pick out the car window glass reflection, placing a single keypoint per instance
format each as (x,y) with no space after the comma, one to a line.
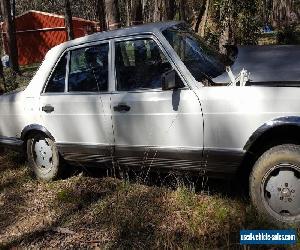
(56,83)
(140,65)
(89,69)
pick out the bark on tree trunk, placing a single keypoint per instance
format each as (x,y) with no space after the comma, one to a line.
(113,14)
(205,16)
(100,11)
(157,11)
(128,12)
(169,9)
(69,21)
(137,12)
(200,16)
(182,4)
(3,77)
(11,35)
(281,13)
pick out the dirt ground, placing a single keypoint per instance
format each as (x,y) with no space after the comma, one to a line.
(103,212)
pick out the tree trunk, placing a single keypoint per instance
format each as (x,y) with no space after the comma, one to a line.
(68,20)
(3,78)
(204,21)
(128,12)
(113,14)
(137,12)
(11,35)
(169,9)
(100,12)
(13,9)
(281,13)
(182,5)
(157,11)
(200,16)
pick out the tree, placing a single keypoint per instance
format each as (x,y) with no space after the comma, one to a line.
(11,35)
(204,18)
(100,12)
(182,6)
(157,11)
(3,79)
(200,15)
(137,12)
(113,14)
(69,21)
(170,9)
(226,16)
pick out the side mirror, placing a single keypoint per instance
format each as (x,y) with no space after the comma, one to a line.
(171,80)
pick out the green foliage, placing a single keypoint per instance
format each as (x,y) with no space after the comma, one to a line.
(241,16)
(10,80)
(288,35)
(14,81)
(247,31)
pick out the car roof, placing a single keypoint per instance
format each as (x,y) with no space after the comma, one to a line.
(128,31)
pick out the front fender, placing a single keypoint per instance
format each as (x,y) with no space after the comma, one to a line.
(276,123)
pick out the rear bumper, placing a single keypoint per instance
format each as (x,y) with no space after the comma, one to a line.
(11,143)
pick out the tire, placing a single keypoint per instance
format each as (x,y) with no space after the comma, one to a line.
(275,184)
(43,157)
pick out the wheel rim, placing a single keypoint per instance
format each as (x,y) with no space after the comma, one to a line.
(281,191)
(43,155)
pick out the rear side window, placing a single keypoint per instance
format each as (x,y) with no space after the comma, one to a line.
(56,83)
(89,69)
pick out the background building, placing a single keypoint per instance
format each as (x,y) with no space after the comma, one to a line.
(37,32)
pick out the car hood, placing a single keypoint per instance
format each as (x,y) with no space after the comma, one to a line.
(267,64)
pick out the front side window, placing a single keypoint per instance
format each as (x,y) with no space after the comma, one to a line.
(200,59)
(140,65)
(56,83)
(88,70)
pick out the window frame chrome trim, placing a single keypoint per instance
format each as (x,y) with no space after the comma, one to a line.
(52,72)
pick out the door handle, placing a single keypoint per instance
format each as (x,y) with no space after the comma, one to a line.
(122,107)
(48,109)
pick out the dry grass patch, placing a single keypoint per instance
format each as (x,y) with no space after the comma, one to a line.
(110,213)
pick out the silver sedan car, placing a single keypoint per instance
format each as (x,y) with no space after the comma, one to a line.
(151,96)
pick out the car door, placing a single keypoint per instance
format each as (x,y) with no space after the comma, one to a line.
(152,127)
(75,105)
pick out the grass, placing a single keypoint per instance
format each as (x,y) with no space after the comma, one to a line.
(15,82)
(84,212)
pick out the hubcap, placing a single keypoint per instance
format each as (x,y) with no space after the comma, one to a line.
(43,155)
(281,190)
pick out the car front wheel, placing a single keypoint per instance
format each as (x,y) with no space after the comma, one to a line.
(43,157)
(275,184)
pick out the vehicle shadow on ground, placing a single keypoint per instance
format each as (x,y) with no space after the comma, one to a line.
(199,183)
(86,208)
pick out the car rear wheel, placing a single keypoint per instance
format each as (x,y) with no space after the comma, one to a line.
(43,157)
(275,184)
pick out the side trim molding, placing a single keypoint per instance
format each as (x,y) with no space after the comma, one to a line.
(221,163)
(12,143)
(77,153)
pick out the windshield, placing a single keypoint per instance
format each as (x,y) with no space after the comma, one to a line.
(200,59)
